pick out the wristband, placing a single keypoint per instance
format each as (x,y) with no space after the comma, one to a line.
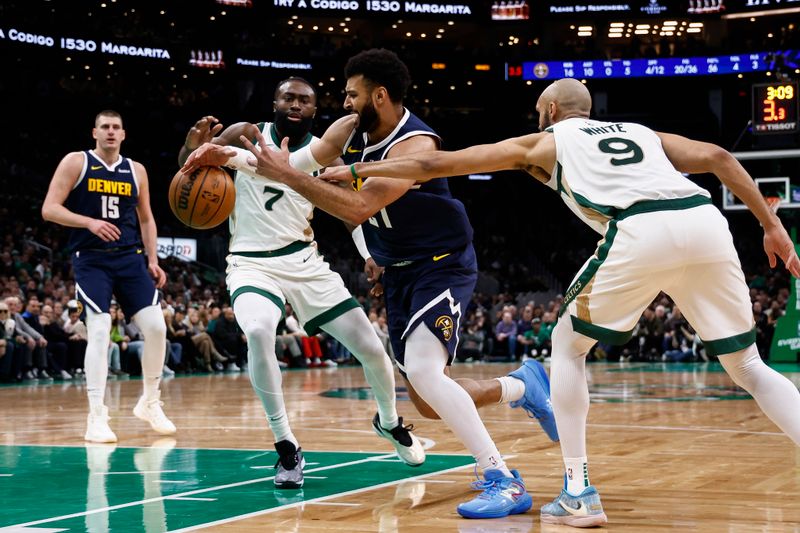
(354,173)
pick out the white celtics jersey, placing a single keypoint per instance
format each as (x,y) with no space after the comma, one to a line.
(605,167)
(268,215)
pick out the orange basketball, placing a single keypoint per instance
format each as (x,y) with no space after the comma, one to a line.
(203,199)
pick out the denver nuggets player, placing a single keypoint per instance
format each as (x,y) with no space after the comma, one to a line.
(273,259)
(105,198)
(660,232)
(422,236)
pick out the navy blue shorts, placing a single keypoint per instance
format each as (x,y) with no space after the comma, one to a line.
(121,273)
(435,293)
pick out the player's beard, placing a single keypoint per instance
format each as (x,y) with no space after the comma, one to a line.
(368,119)
(546,121)
(296,131)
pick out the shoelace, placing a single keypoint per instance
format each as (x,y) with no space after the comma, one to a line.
(479,484)
(491,490)
(401,433)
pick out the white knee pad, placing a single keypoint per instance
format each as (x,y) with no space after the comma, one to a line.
(150,320)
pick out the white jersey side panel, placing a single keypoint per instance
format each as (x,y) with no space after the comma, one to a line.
(603,167)
(268,215)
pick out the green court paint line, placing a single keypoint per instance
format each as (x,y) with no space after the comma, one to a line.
(147,485)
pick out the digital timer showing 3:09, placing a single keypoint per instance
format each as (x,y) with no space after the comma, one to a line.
(775,108)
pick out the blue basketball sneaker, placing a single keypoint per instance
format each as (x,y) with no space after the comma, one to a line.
(501,497)
(536,401)
(584,510)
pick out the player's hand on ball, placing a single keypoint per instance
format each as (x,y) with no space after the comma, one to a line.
(158,274)
(268,163)
(340,174)
(208,155)
(105,230)
(202,132)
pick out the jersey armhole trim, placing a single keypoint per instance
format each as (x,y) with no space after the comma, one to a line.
(133,173)
(83,170)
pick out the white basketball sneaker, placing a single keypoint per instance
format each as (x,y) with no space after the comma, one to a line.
(408,446)
(97,429)
(150,411)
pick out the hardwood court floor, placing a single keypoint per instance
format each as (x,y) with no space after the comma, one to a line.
(672,448)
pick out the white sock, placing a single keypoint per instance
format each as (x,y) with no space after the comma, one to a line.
(576,475)
(425,360)
(150,320)
(355,332)
(774,393)
(98,331)
(258,318)
(569,390)
(512,389)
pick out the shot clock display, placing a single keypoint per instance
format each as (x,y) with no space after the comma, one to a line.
(775,107)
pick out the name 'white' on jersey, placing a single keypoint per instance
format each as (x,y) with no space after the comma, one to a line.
(268,215)
(604,167)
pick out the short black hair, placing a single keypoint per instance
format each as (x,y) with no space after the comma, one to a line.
(107,113)
(381,67)
(294,78)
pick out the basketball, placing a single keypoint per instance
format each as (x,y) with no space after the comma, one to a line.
(203,199)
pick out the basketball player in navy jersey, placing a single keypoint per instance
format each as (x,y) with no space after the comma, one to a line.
(105,198)
(421,235)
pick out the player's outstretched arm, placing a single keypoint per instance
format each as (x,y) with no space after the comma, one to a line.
(331,145)
(697,157)
(424,166)
(54,210)
(147,225)
(342,202)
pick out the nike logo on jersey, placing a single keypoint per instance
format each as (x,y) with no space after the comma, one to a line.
(97,167)
(351,150)
(307,258)
(439,257)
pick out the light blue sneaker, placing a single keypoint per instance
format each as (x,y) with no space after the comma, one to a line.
(536,401)
(501,497)
(584,510)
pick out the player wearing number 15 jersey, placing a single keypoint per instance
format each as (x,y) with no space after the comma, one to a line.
(105,198)
(660,233)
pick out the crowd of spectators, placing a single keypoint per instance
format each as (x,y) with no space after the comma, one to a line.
(43,337)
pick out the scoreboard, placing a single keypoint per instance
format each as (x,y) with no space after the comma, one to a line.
(775,107)
(638,68)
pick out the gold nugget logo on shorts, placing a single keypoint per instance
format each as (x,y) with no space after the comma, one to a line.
(445,323)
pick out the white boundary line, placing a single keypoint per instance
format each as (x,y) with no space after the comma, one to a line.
(189,493)
(313,501)
(376,458)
